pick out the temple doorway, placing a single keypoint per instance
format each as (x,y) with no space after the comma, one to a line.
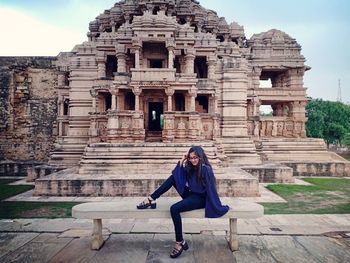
(154,116)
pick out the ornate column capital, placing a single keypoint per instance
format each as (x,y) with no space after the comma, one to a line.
(169,91)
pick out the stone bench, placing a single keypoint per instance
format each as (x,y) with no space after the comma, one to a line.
(126,210)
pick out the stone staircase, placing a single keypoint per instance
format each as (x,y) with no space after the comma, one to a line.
(139,158)
(296,149)
(137,169)
(240,150)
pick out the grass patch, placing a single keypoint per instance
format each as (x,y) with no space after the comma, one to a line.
(325,196)
(7,190)
(36,209)
(29,209)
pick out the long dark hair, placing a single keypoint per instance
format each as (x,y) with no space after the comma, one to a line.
(203,160)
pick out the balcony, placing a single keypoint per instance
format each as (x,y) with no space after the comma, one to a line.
(279,94)
(206,84)
(153,74)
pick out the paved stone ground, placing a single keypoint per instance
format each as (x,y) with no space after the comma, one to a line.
(272,238)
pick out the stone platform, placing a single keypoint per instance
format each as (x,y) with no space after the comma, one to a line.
(231,182)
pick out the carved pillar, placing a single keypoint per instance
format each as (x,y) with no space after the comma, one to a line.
(114,99)
(171,57)
(137,58)
(170,44)
(190,60)
(101,65)
(94,95)
(121,57)
(137,92)
(119,101)
(256,105)
(193,95)
(170,92)
(256,77)
(211,67)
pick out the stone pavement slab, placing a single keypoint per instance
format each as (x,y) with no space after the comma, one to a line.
(292,252)
(146,248)
(40,249)
(209,249)
(252,250)
(12,241)
(78,250)
(325,249)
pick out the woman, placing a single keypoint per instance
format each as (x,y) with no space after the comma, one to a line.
(194,180)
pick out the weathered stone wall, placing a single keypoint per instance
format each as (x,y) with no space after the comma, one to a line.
(27,108)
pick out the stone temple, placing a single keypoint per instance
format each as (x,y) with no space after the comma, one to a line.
(156,77)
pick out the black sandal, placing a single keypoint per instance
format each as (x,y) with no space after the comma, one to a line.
(175,253)
(150,204)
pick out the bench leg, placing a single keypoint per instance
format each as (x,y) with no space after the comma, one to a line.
(233,234)
(97,239)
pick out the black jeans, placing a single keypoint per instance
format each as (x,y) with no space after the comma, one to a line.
(190,201)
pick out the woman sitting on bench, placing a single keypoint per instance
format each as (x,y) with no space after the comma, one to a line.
(194,180)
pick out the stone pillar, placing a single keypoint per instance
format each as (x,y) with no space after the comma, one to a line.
(211,67)
(170,92)
(137,92)
(256,77)
(119,101)
(114,101)
(121,57)
(256,105)
(193,95)
(94,104)
(170,44)
(190,60)
(137,58)
(101,65)
(94,95)
(170,57)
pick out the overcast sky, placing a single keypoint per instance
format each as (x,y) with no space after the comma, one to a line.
(321,27)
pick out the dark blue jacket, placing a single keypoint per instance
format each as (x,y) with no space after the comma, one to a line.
(213,206)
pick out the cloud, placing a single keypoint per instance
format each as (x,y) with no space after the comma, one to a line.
(23,35)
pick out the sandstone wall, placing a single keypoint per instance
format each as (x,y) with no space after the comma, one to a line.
(27,108)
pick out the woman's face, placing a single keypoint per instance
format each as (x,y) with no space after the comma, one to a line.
(193,158)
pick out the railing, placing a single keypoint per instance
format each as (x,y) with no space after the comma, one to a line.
(206,84)
(180,126)
(277,92)
(277,127)
(153,74)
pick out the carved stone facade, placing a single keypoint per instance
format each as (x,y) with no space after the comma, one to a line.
(173,71)
(154,78)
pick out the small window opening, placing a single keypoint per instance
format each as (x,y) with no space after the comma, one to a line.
(179,102)
(220,38)
(156,63)
(111,66)
(201,67)
(129,101)
(202,104)
(155,10)
(66,107)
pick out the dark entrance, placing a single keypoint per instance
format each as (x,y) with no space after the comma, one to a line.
(155,109)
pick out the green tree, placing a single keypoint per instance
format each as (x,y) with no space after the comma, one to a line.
(328,120)
(346,139)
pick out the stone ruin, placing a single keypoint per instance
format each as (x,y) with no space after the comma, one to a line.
(156,77)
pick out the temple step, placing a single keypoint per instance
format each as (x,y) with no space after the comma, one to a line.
(296,149)
(233,182)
